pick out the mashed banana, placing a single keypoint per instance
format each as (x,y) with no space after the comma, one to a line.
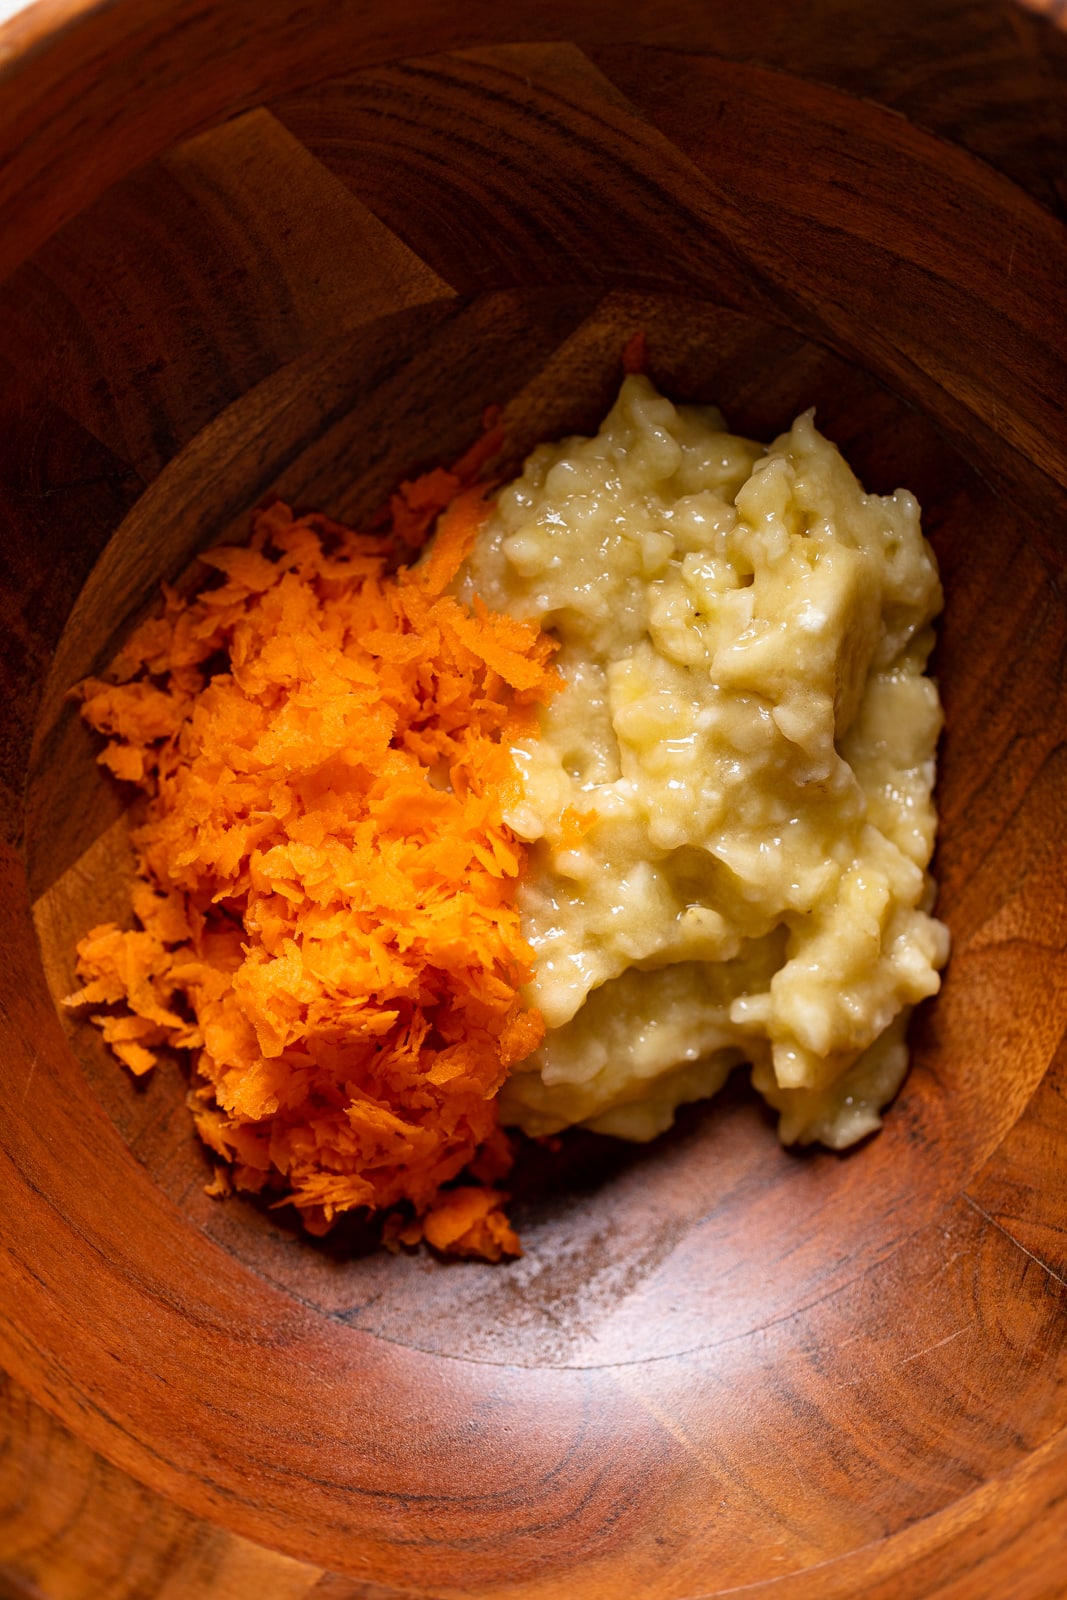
(729,806)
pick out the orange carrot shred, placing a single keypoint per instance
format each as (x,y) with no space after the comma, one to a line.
(574,825)
(468,1221)
(325,908)
(415,506)
(482,451)
(635,353)
(453,541)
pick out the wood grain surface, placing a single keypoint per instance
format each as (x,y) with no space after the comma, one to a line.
(249,248)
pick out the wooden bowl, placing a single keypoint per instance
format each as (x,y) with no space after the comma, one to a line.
(254,245)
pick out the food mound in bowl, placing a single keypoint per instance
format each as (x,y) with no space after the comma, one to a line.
(747,736)
(625,781)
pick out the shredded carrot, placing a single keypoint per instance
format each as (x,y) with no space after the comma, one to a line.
(469,1222)
(635,354)
(573,827)
(413,509)
(325,909)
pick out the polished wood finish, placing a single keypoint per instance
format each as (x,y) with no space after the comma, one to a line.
(258,247)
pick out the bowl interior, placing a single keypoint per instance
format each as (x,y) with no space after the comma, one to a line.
(317,299)
(602,1220)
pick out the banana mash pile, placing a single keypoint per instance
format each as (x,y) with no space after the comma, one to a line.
(729,807)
